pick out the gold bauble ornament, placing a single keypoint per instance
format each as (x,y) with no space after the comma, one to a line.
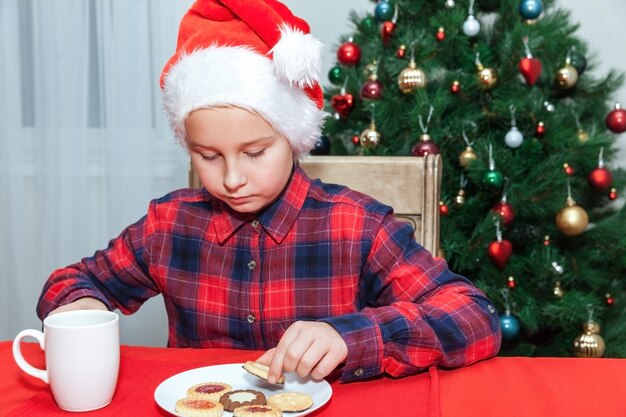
(487,77)
(582,136)
(589,344)
(558,290)
(371,68)
(467,156)
(566,77)
(369,138)
(459,200)
(572,219)
(411,78)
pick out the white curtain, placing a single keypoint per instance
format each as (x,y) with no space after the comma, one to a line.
(84,144)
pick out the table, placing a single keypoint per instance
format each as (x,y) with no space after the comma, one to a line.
(497,387)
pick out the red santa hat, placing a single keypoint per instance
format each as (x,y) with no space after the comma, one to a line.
(251,54)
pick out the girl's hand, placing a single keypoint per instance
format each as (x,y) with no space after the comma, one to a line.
(307,348)
(85,303)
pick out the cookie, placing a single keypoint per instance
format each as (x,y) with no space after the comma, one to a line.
(291,402)
(257,411)
(260,370)
(191,407)
(208,391)
(239,397)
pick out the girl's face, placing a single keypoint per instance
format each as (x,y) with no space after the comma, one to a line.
(238,156)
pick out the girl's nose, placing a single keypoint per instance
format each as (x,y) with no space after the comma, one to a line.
(234,177)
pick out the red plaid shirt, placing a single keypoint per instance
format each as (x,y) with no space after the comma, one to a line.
(320,252)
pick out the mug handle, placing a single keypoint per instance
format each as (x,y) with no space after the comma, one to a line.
(19,358)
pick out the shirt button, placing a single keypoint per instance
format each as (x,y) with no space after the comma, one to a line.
(251,265)
(491,309)
(251,318)
(255,223)
(358,372)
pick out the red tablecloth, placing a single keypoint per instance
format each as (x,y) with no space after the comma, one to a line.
(500,387)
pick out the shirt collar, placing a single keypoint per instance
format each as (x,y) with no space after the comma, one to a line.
(277,218)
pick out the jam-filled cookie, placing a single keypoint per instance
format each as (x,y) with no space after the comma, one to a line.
(208,390)
(239,397)
(257,411)
(192,407)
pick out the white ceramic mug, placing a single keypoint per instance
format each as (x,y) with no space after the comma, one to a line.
(82,351)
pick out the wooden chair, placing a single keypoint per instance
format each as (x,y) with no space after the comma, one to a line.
(411,185)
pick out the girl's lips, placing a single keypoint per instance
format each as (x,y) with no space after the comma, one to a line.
(238,200)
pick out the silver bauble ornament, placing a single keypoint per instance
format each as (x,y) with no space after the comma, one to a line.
(513,138)
(471,26)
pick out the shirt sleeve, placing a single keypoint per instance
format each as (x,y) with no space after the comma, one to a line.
(417,312)
(118,275)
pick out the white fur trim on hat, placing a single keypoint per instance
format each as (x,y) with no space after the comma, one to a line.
(238,76)
(297,57)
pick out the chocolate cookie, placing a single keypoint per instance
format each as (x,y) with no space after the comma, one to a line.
(240,397)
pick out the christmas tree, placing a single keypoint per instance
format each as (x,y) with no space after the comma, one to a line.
(501,89)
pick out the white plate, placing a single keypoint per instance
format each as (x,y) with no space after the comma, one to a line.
(175,387)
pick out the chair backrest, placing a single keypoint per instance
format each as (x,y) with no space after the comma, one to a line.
(411,185)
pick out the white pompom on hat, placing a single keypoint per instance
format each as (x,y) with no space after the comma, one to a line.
(251,54)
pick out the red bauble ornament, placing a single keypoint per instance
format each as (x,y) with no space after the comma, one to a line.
(372,89)
(342,103)
(613,194)
(511,283)
(530,68)
(455,88)
(441,34)
(505,211)
(540,130)
(356,139)
(401,52)
(569,170)
(500,252)
(600,178)
(349,53)
(609,299)
(386,31)
(443,208)
(425,146)
(616,119)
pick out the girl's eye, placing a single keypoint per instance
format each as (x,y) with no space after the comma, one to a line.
(209,158)
(253,155)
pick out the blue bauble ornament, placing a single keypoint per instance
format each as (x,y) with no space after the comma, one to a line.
(578,61)
(322,146)
(509,325)
(383,11)
(530,9)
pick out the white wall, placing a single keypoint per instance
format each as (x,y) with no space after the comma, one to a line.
(602,26)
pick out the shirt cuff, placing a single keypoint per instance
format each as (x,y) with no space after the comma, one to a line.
(365,348)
